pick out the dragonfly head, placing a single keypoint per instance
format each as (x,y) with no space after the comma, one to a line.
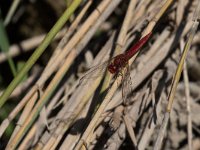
(112,68)
(117,63)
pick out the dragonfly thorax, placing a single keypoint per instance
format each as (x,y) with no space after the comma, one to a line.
(117,64)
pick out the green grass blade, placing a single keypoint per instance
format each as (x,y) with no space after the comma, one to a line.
(180,66)
(4,46)
(37,53)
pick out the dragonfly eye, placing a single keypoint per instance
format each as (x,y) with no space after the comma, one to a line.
(112,68)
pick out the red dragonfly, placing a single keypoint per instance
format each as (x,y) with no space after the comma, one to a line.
(117,65)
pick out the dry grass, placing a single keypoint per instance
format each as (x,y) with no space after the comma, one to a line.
(59,112)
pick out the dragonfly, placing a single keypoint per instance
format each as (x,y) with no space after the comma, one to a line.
(119,65)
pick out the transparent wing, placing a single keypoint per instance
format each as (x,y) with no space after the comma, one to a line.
(126,85)
(94,72)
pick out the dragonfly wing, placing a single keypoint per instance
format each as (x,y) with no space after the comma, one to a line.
(94,72)
(126,85)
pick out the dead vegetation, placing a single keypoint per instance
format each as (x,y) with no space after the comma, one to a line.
(59,112)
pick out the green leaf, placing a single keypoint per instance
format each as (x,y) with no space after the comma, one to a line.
(4,46)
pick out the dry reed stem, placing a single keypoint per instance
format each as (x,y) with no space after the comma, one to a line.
(76,38)
(151,124)
(180,11)
(160,55)
(40,102)
(24,114)
(62,127)
(148,68)
(27,45)
(27,110)
(122,38)
(179,69)
(43,76)
(70,29)
(142,100)
(176,80)
(65,97)
(88,94)
(139,11)
(46,76)
(36,126)
(188,99)
(120,42)
(17,109)
(71,139)
(152,64)
(73,108)
(129,128)
(92,124)
(161,133)
(154,48)
(48,73)
(24,86)
(115,84)
(157,17)
(83,100)
(70,143)
(153,22)
(33,42)
(30,95)
(79,34)
(69,33)
(75,24)
(148,131)
(25,143)
(140,15)
(93,87)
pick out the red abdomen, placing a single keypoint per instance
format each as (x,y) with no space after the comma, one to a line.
(136,47)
